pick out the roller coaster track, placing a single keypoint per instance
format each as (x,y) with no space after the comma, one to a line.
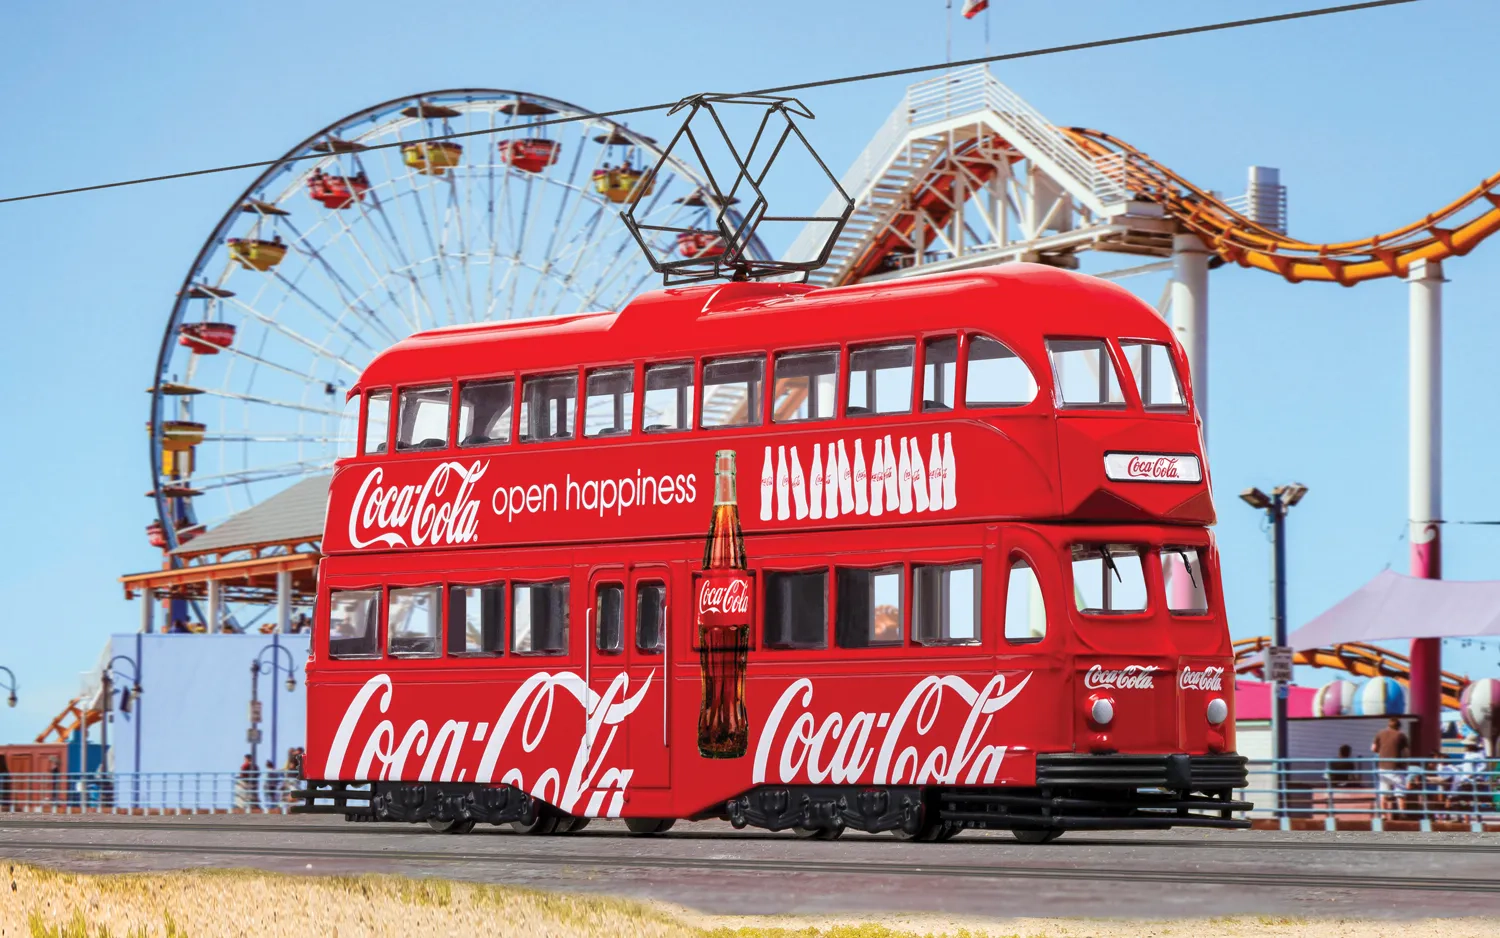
(1451,231)
(1354,657)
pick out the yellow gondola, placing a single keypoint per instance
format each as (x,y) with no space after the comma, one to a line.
(432,158)
(622,184)
(181,434)
(256,254)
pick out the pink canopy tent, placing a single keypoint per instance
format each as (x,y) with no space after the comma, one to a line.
(1252,700)
(1394,606)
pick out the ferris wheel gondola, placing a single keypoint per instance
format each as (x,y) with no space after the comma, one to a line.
(347,246)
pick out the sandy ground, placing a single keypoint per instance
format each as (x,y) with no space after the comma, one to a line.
(42,904)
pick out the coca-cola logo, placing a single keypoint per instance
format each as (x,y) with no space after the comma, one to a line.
(1152,467)
(1130,677)
(441,510)
(1210,678)
(724,596)
(1162,467)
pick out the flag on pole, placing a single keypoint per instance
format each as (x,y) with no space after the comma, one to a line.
(973,8)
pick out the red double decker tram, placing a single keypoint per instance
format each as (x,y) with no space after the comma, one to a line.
(958,570)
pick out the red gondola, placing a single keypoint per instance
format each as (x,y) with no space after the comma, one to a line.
(531,155)
(337,191)
(156,534)
(206,338)
(700,244)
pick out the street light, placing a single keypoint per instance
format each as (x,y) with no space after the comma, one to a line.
(133,692)
(258,667)
(10,685)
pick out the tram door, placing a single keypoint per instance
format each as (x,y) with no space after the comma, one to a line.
(626,618)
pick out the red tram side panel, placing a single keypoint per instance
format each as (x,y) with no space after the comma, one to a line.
(980,591)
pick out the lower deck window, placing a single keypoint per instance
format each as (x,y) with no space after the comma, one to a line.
(353,617)
(1182,570)
(1108,580)
(869,607)
(1025,612)
(796,610)
(539,618)
(946,607)
(476,620)
(650,616)
(413,621)
(609,618)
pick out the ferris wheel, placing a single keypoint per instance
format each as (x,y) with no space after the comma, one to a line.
(345,247)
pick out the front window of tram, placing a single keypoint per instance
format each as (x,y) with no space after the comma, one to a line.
(1085,374)
(1108,580)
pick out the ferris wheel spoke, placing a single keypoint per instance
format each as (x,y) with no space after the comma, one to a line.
(439,267)
(266,474)
(395,244)
(272,323)
(567,211)
(398,203)
(348,296)
(453,220)
(269,402)
(369,263)
(273,438)
(336,321)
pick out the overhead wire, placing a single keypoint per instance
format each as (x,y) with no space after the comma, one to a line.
(777,90)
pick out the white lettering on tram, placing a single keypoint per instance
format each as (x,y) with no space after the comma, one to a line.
(839,751)
(523,720)
(1210,678)
(428,512)
(1130,677)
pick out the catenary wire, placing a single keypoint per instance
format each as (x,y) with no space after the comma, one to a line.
(781,89)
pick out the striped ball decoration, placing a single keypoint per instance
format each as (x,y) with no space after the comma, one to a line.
(1334,699)
(1380,696)
(1480,705)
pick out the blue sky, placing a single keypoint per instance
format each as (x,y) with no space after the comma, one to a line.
(1370,117)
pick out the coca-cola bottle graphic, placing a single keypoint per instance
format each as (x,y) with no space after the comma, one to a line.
(723,624)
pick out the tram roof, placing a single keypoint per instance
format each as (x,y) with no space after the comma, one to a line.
(730,317)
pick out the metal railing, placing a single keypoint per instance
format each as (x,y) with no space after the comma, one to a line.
(1368,793)
(147,792)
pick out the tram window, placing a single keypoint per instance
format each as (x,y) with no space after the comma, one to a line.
(1182,571)
(424,419)
(609,618)
(348,428)
(352,623)
(539,618)
(945,609)
(880,379)
(1025,613)
(547,406)
(484,409)
(732,392)
(939,373)
(796,610)
(868,610)
(806,384)
(377,421)
(1155,375)
(668,405)
(1108,580)
(476,620)
(1084,373)
(650,617)
(609,407)
(412,622)
(997,377)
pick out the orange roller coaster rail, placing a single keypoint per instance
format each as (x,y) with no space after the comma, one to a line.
(1354,657)
(1451,231)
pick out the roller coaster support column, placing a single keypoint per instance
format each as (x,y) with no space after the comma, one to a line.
(1426,493)
(1190,313)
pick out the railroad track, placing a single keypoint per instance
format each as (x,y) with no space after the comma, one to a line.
(1300,880)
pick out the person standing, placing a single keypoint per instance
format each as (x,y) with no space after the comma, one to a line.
(1391,746)
(245,785)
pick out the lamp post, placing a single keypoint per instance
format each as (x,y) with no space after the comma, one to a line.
(9,685)
(131,693)
(1276,505)
(258,667)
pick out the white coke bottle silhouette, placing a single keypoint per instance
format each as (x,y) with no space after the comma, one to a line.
(846,481)
(950,481)
(935,475)
(831,484)
(861,480)
(799,486)
(892,471)
(767,487)
(918,476)
(815,496)
(877,480)
(903,482)
(783,482)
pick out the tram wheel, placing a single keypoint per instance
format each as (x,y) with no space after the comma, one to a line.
(648,826)
(1035,836)
(818,833)
(539,821)
(947,832)
(930,832)
(572,825)
(450,827)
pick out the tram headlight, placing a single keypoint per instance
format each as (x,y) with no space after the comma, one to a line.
(1218,711)
(1102,711)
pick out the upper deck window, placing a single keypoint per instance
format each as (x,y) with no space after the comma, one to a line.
(1108,580)
(484,411)
(1155,375)
(1182,570)
(353,623)
(412,624)
(610,406)
(796,613)
(732,391)
(939,373)
(1084,373)
(946,606)
(349,428)
(377,421)
(668,405)
(880,379)
(539,618)
(997,377)
(548,403)
(424,419)
(476,620)
(806,385)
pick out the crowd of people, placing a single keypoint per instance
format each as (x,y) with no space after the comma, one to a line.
(254,791)
(1439,786)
